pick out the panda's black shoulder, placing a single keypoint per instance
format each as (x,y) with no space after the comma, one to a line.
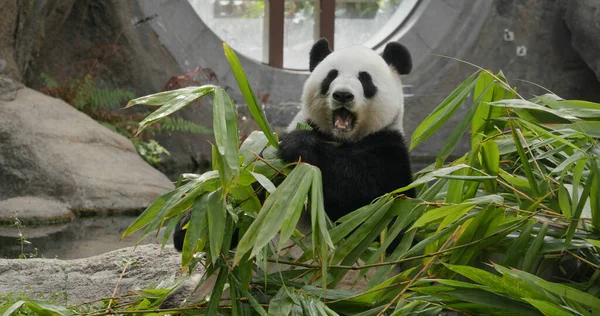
(385,138)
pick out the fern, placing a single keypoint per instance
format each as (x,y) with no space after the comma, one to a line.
(108,98)
(178,124)
(48,81)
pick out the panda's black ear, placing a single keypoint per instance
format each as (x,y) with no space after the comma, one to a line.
(398,56)
(318,52)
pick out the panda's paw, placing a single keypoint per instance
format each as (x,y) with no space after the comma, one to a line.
(300,145)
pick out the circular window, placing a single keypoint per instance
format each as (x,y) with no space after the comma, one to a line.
(244,25)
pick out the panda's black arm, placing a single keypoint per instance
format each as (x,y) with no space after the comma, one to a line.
(353,173)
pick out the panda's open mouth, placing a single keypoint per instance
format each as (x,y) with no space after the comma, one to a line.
(343,119)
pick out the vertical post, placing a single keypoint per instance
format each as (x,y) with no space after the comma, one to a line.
(275,43)
(327,20)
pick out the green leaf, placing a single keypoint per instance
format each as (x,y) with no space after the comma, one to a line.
(194,240)
(578,210)
(9,311)
(226,136)
(164,97)
(321,241)
(215,297)
(534,249)
(453,211)
(46,309)
(594,242)
(279,206)
(533,182)
(253,105)
(595,198)
(490,162)
(443,112)
(564,291)
(216,215)
(559,115)
(484,89)
(151,213)
(244,290)
(548,308)
(518,247)
(178,99)
(264,181)
(431,176)
(479,276)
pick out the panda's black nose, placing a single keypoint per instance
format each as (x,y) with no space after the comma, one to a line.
(343,96)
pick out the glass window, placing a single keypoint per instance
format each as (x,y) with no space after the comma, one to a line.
(241,23)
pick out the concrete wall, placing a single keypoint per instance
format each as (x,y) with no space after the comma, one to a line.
(471,30)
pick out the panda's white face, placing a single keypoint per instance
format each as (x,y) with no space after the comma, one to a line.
(352,93)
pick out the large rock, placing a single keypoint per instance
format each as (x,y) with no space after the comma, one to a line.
(49,149)
(583,19)
(32,210)
(91,278)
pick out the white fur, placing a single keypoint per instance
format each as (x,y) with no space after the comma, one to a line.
(385,109)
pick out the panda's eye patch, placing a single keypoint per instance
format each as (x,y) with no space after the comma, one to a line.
(328,80)
(369,88)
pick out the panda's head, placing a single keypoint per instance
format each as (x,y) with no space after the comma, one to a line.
(354,92)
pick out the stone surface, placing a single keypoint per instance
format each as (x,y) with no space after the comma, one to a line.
(49,149)
(31,210)
(91,278)
(583,19)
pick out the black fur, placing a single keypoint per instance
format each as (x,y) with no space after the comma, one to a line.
(318,52)
(328,80)
(179,234)
(367,83)
(398,56)
(354,174)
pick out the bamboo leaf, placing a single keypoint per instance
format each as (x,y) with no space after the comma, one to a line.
(443,112)
(226,137)
(561,290)
(596,243)
(46,309)
(264,181)
(453,211)
(534,249)
(253,105)
(533,183)
(166,96)
(595,198)
(548,308)
(215,297)
(560,116)
(286,199)
(431,176)
(577,214)
(216,217)
(175,104)
(151,213)
(195,240)
(10,310)
(516,250)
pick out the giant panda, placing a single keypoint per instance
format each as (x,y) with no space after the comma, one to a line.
(353,102)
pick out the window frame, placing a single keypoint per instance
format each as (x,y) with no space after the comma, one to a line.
(274,24)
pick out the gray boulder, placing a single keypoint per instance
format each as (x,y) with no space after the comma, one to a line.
(84,280)
(32,210)
(583,19)
(49,149)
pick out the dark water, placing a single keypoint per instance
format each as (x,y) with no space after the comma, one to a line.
(84,237)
